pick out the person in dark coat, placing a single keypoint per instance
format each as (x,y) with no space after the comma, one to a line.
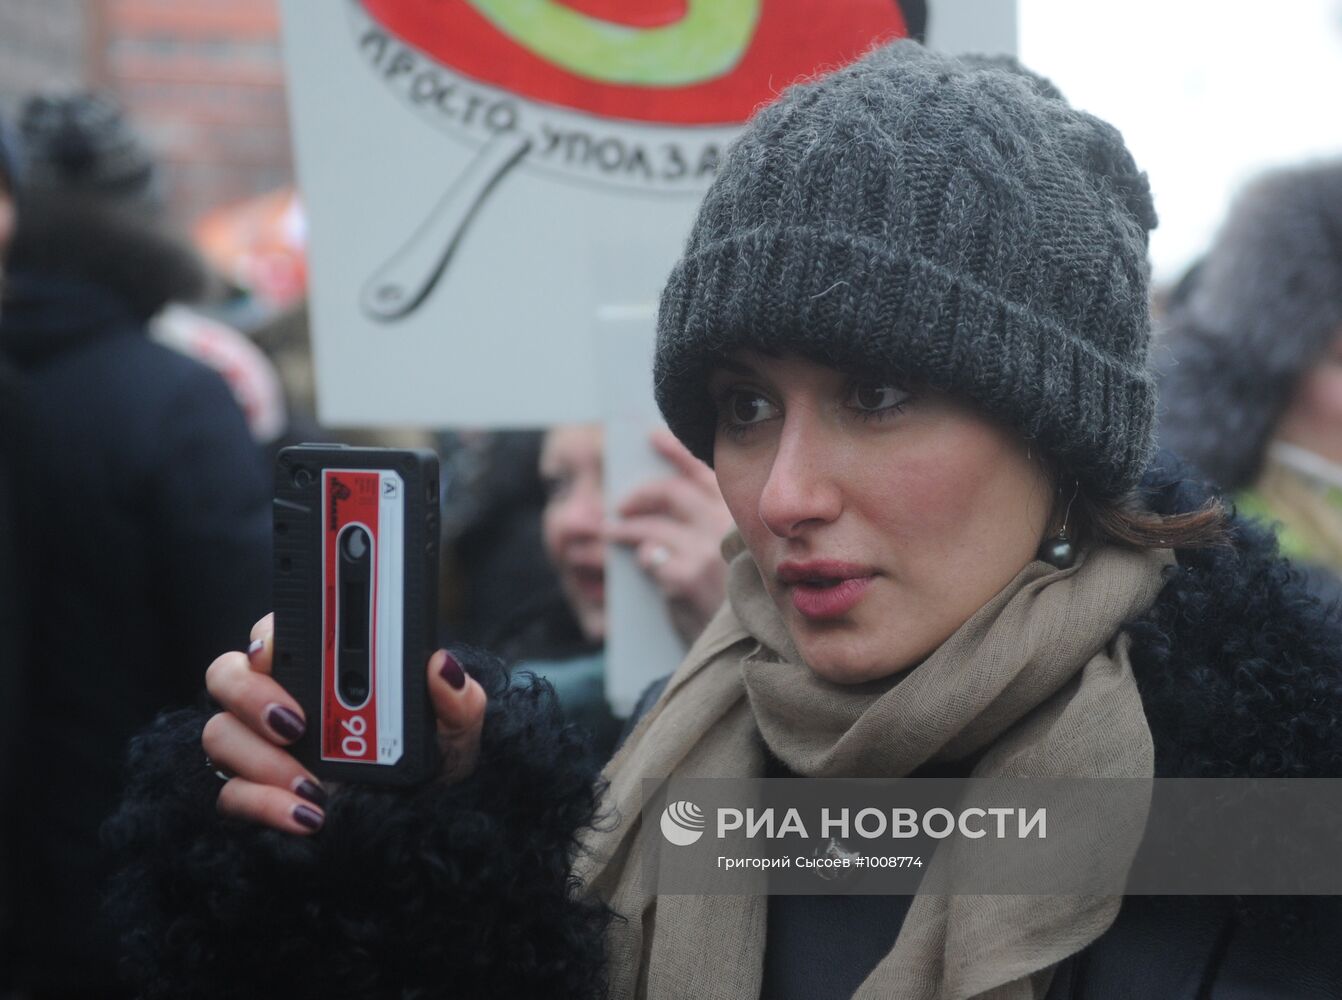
(13,591)
(146,528)
(910,333)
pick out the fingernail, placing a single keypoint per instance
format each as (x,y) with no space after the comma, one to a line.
(310,790)
(452,672)
(308,817)
(255,648)
(285,722)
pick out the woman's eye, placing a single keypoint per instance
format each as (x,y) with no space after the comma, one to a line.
(751,408)
(872,397)
(555,485)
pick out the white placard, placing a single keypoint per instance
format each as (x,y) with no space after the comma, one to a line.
(973,26)
(641,642)
(449,254)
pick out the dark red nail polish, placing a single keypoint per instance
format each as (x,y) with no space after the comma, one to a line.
(308,817)
(285,722)
(310,790)
(452,673)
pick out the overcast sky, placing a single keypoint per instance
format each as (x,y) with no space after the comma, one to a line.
(1206,93)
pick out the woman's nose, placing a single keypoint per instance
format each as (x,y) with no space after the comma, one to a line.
(804,487)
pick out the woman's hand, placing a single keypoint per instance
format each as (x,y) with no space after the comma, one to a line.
(259,718)
(675,526)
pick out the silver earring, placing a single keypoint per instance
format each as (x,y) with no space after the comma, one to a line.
(1058,550)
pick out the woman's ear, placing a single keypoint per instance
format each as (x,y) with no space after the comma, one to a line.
(1054,480)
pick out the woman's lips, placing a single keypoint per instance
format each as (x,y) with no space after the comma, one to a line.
(831,599)
(825,588)
(589,581)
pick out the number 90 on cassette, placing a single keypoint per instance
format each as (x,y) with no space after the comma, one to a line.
(356,593)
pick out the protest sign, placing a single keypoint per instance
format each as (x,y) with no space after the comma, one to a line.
(471,167)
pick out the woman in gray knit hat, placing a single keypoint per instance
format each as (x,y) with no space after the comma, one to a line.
(1251,386)
(909,331)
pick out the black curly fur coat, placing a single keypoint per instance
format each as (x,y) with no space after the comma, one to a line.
(466,892)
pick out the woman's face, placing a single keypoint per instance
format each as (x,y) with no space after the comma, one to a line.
(572,523)
(880,519)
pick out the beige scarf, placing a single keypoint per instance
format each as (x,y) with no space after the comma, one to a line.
(1038,677)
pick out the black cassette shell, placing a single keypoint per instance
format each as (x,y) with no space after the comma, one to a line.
(309,625)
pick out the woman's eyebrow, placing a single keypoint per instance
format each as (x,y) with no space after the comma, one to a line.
(735,367)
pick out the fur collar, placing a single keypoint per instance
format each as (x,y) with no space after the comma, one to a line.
(1238,663)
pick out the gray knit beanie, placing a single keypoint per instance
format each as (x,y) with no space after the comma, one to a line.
(1265,305)
(82,143)
(941,221)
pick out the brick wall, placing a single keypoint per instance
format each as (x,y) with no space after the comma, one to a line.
(203,79)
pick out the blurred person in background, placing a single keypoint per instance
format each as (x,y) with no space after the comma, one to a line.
(527,541)
(498,588)
(674,524)
(1251,388)
(150,514)
(13,609)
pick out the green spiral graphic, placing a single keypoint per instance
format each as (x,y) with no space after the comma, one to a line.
(706,43)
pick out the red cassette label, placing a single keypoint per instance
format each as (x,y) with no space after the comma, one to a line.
(362,563)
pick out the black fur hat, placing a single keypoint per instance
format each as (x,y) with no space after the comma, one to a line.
(1264,306)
